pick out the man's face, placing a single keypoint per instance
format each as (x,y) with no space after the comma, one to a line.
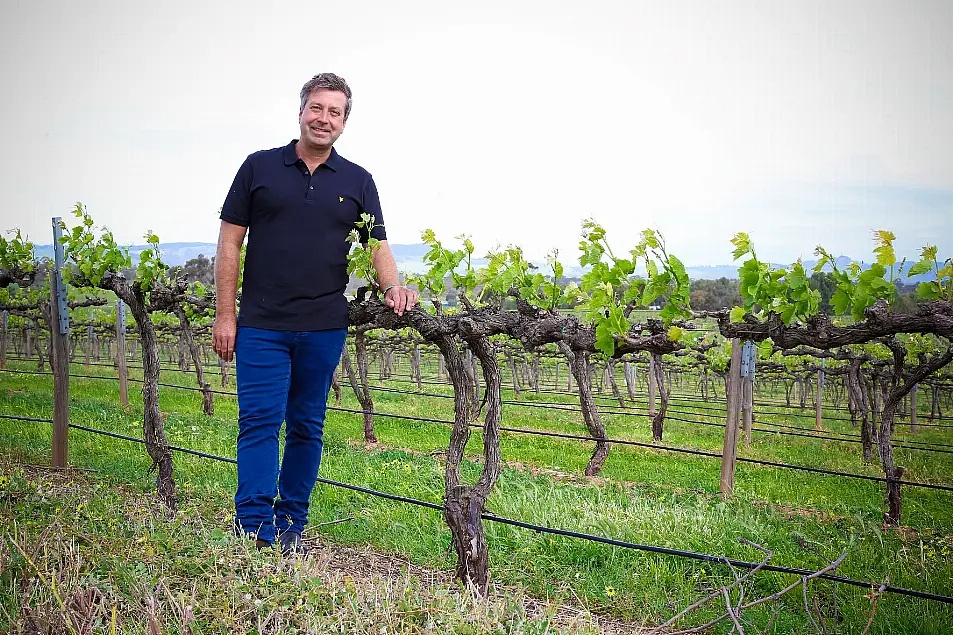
(322,118)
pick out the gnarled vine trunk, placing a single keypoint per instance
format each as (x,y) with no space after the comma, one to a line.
(628,372)
(658,419)
(579,365)
(223,367)
(515,375)
(900,387)
(181,349)
(534,373)
(186,340)
(613,384)
(934,402)
(415,366)
(38,347)
(464,504)
(153,428)
(336,385)
(859,407)
(470,367)
(359,383)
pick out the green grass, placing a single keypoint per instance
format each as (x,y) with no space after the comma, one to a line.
(644,496)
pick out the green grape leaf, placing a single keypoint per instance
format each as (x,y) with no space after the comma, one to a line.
(928,291)
(920,268)
(742,243)
(604,341)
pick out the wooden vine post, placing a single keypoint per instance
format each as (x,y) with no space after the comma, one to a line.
(818,401)
(59,330)
(121,353)
(730,450)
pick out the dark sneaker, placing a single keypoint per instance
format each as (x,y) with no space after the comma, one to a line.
(247,535)
(291,544)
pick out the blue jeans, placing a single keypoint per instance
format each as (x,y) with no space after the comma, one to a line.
(281,376)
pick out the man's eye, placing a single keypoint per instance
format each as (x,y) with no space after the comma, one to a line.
(336,113)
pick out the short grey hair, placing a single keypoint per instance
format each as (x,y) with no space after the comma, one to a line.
(326,81)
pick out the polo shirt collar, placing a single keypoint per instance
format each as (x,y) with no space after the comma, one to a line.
(334,160)
(291,157)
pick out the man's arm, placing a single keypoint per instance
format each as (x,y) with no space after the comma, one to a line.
(395,296)
(230,238)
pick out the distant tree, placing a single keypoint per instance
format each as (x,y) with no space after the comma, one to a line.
(826,285)
(712,295)
(905,300)
(198,269)
(699,297)
(40,278)
(452,297)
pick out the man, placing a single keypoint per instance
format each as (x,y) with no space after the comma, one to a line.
(298,204)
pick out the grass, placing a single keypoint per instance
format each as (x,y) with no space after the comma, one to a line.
(88,555)
(644,496)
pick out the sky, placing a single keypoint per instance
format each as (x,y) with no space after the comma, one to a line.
(801,122)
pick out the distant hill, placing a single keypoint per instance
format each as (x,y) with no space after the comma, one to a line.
(713,272)
(409,257)
(172,253)
(179,253)
(409,260)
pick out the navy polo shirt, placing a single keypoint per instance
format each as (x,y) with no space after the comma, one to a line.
(296,260)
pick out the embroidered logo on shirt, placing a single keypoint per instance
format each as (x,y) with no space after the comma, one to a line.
(340,199)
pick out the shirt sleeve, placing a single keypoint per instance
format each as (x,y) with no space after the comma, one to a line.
(237,207)
(371,204)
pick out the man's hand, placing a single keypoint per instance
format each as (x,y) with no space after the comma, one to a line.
(227,257)
(400,299)
(223,337)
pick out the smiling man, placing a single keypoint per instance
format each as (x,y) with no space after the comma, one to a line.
(297,203)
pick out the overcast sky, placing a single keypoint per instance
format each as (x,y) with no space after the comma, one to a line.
(800,122)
